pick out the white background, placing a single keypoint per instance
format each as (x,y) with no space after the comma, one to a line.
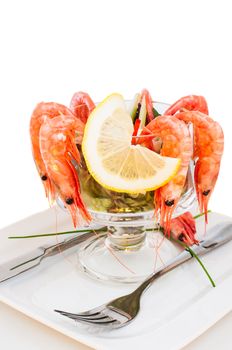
(50,49)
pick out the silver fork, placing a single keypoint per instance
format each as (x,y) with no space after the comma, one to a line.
(121,311)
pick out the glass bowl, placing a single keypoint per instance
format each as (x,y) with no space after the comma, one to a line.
(125,251)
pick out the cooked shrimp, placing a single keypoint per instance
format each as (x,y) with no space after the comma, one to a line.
(191,103)
(45,110)
(59,153)
(82,105)
(176,143)
(208,150)
(183,228)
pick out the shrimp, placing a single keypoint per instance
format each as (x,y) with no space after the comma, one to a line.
(183,228)
(191,103)
(59,153)
(82,105)
(176,143)
(41,112)
(208,150)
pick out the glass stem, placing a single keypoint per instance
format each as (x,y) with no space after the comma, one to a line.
(126,237)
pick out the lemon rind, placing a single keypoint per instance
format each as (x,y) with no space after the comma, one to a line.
(91,116)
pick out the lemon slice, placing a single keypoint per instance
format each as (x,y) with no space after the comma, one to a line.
(111,158)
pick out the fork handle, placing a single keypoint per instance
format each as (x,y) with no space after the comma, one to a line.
(67,244)
(180,259)
(217,236)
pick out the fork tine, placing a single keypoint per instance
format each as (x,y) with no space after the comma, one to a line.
(103,320)
(86,314)
(99,317)
(96,311)
(93,316)
(106,321)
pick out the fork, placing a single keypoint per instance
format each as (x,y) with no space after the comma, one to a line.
(121,311)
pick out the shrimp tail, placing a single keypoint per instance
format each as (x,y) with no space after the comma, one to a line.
(82,105)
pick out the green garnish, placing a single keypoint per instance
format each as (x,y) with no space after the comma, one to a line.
(155,112)
(59,233)
(202,214)
(196,257)
(104,228)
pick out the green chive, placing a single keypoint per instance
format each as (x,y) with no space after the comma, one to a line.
(79,231)
(58,233)
(199,215)
(155,112)
(196,257)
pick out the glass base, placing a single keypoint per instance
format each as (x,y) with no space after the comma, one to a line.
(101,259)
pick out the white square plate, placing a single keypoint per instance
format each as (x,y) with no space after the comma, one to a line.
(175,310)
